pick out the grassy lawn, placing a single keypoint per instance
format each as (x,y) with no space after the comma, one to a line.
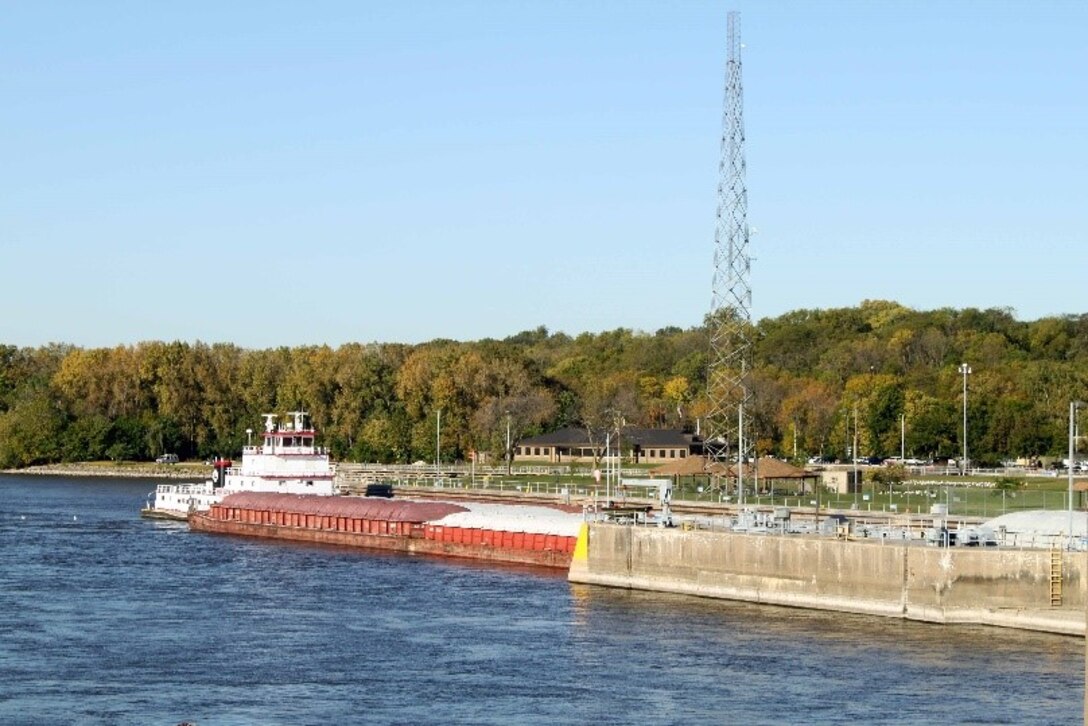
(965,496)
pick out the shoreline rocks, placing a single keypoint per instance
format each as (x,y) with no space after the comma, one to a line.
(191,472)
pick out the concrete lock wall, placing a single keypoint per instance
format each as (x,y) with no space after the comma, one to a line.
(1009,588)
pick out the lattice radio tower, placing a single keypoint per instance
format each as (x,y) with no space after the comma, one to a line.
(730,311)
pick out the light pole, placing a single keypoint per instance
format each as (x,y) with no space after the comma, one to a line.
(1073,406)
(872,437)
(620,421)
(509,451)
(608,467)
(438,445)
(966,371)
(855,456)
(740,455)
(903,439)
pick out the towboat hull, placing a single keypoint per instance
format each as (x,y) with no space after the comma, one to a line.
(168,514)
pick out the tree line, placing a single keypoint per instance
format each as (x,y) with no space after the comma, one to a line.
(887,367)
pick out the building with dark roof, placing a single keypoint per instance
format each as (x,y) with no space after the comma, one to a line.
(575,445)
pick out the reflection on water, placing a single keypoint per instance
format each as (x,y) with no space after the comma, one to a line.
(107,618)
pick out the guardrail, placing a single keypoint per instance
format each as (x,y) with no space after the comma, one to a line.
(350,470)
(481,484)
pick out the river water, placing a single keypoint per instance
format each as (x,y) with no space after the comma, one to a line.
(108,618)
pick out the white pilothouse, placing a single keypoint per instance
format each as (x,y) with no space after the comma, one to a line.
(287,461)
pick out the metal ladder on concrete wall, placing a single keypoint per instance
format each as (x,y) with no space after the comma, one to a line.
(1055,577)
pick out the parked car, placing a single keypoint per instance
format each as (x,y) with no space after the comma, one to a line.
(167,459)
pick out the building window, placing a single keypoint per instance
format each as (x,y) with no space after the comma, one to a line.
(536,451)
(683,453)
(672,454)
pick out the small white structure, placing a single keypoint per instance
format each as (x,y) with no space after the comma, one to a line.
(841,481)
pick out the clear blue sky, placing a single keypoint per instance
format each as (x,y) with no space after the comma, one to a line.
(298,173)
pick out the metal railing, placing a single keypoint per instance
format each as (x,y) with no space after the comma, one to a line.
(351,470)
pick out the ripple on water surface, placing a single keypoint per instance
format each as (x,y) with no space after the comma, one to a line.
(107,618)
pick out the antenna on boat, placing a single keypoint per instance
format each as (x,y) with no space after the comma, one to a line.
(299,420)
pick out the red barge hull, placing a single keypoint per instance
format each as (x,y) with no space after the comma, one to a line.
(545,550)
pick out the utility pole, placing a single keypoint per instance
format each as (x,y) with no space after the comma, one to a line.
(731,300)
(966,371)
(903,439)
(608,467)
(857,484)
(1073,406)
(438,446)
(509,450)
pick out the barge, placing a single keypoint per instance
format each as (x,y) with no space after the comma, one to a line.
(498,533)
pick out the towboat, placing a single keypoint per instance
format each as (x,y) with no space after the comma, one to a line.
(285,489)
(286,461)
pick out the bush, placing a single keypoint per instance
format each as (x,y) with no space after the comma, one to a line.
(889,476)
